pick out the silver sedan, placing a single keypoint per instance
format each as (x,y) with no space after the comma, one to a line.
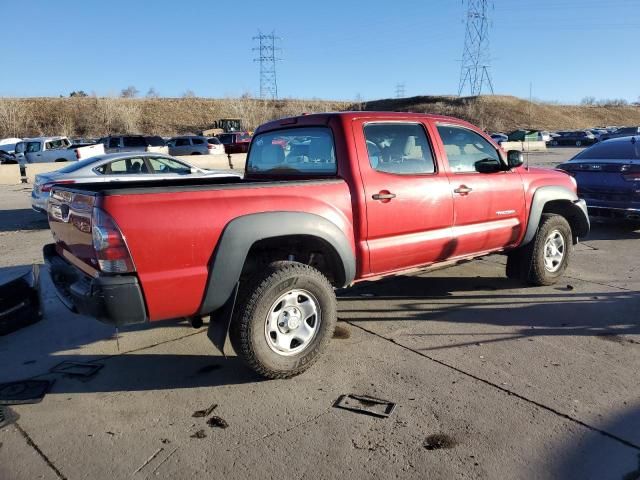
(117,167)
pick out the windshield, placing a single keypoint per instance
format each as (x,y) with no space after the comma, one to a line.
(295,151)
(612,150)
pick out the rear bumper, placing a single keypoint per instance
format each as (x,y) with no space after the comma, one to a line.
(39,202)
(115,300)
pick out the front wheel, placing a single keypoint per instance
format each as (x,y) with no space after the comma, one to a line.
(545,258)
(284,319)
(578,143)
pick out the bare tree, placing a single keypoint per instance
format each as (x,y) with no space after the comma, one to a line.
(129,92)
(79,93)
(152,93)
(189,94)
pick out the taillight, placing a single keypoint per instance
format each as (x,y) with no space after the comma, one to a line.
(631,177)
(631,173)
(109,244)
(46,187)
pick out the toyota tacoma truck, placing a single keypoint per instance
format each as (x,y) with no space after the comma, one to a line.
(327,200)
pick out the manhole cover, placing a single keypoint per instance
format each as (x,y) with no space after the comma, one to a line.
(25,391)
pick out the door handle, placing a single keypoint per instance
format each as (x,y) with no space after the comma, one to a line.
(383,196)
(463,190)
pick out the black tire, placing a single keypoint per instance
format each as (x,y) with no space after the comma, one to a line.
(527,263)
(554,143)
(578,143)
(195,153)
(61,160)
(255,300)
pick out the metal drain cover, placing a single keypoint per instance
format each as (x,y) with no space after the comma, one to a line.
(77,369)
(24,391)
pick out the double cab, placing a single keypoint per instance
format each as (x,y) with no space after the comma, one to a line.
(327,200)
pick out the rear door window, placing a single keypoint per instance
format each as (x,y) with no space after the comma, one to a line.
(125,166)
(399,148)
(182,142)
(197,141)
(114,143)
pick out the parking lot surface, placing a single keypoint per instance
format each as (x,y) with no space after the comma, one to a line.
(519,382)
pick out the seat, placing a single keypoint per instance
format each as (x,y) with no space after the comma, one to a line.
(320,149)
(135,167)
(272,155)
(412,149)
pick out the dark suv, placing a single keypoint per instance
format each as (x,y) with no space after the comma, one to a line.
(621,132)
(133,143)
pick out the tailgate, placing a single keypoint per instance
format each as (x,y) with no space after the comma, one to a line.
(70,215)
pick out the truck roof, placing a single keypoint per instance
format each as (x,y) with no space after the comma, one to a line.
(324,118)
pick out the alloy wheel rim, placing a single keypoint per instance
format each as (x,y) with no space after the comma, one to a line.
(554,251)
(293,322)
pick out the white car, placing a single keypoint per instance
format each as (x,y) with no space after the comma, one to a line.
(118,167)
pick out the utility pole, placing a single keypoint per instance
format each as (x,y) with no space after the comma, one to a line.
(400,90)
(267,57)
(474,72)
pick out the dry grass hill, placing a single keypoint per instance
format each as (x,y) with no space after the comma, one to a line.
(92,116)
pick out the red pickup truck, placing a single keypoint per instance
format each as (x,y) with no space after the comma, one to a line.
(327,200)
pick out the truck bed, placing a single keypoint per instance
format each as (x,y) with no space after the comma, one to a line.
(172,227)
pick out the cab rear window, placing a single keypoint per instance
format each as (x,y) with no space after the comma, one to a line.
(297,151)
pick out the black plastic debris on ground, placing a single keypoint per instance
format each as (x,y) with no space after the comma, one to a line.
(365,404)
(199,434)
(19,299)
(206,412)
(217,422)
(77,369)
(7,416)
(439,441)
(23,392)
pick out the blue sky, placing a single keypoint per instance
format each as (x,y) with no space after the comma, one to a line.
(567,49)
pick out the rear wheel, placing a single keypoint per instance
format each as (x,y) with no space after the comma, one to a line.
(61,160)
(578,143)
(284,319)
(543,260)
(554,143)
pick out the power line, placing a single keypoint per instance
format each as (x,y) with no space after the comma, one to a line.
(267,57)
(474,72)
(400,90)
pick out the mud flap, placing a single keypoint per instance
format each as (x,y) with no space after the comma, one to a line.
(220,322)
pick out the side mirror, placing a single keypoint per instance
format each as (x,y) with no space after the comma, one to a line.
(515,158)
(488,165)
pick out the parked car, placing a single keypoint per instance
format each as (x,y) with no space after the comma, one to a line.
(117,167)
(621,132)
(7,158)
(53,149)
(8,145)
(499,137)
(578,138)
(134,143)
(235,142)
(366,195)
(194,145)
(608,177)
(215,146)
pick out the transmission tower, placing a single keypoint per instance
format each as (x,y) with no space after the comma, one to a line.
(267,57)
(400,90)
(474,73)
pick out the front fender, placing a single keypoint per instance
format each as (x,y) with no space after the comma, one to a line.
(575,207)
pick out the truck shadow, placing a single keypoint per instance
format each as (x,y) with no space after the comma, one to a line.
(553,311)
(22,219)
(598,456)
(613,230)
